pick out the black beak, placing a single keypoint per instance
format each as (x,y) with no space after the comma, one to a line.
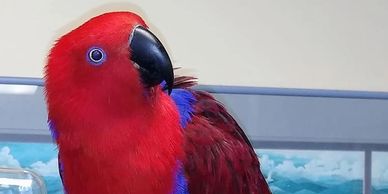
(151,57)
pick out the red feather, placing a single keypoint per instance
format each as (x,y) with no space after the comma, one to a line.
(219,156)
(112,138)
(116,136)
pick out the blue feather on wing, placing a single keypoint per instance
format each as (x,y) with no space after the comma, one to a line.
(184,100)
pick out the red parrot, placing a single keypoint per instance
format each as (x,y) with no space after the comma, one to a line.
(124,124)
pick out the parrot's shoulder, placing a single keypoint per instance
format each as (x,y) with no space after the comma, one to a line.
(219,157)
(184,98)
(191,102)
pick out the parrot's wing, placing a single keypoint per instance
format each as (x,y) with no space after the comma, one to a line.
(54,135)
(219,156)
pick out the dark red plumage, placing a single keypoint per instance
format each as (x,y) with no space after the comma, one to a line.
(219,156)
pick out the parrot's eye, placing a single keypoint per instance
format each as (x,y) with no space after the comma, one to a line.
(96,56)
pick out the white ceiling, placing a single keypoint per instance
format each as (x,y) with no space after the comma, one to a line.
(327,44)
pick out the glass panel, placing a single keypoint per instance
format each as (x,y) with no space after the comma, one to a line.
(37,157)
(313,172)
(20,181)
(380,172)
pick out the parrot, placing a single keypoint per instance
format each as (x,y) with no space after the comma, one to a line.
(123,122)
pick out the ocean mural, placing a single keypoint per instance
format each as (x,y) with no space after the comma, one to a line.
(380,172)
(39,157)
(287,171)
(313,172)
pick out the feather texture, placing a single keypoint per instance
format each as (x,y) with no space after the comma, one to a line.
(54,136)
(180,186)
(111,138)
(184,100)
(53,130)
(219,156)
(117,135)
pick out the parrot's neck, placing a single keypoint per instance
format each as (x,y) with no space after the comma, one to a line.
(122,154)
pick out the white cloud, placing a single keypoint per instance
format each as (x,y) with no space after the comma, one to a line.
(6,158)
(335,167)
(319,164)
(275,189)
(380,169)
(49,168)
(46,169)
(266,164)
(288,168)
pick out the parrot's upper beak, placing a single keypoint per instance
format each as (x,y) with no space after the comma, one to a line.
(151,57)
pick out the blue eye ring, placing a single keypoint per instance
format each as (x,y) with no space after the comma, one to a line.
(96,56)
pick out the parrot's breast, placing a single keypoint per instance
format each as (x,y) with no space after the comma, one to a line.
(136,155)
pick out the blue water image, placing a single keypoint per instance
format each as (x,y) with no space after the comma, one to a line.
(39,157)
(317,172)
(286,171)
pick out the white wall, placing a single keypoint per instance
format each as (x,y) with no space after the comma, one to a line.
(329,44)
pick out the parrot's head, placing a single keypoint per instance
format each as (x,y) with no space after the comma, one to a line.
(111,59)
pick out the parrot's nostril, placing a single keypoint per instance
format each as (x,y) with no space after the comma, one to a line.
(136,65)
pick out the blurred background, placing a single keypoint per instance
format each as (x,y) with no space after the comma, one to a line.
(307,80)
